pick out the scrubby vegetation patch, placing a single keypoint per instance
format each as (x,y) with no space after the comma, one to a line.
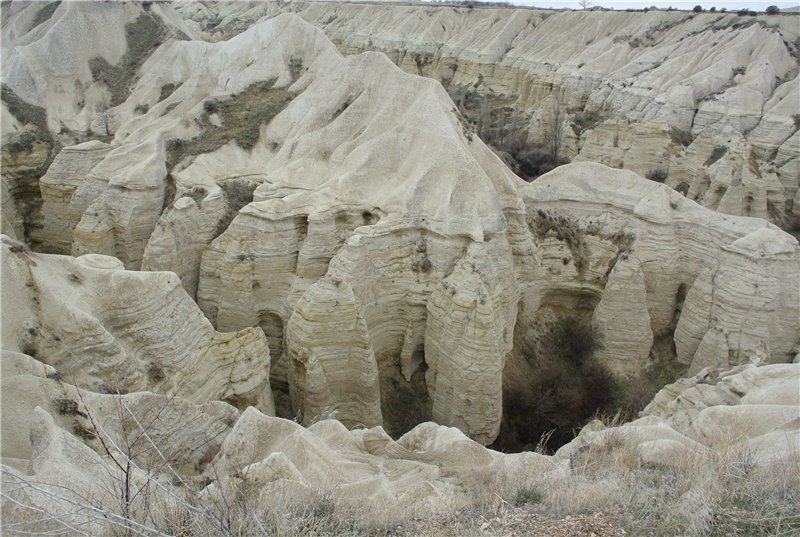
(718,152)
(567,387)
(142,35)
(45,14)
(680,136)
(241,116)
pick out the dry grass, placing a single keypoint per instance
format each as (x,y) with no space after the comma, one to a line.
(716,492)
(603,488)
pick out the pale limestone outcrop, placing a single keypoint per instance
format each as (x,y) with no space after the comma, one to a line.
(748,409)
(112,330)
(735,310)
(49,64)
(643,73)
(739,313)
(121,216)
(757,407)
(25,157)
(465,347)
(182,234)
(424,470)
(377,212)
(430,469)
(787,162)
(621,320)
(67,172)
(115,464)
(727,181)
(61,472)
(12,223)
(370,180)
(332,368)
(43,71)
(621,143)
(184,432)
(123,196)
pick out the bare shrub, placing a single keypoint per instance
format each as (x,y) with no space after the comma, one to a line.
(568,388)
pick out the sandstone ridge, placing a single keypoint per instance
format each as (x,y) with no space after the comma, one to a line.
(311,195)
(647,91)
(270,234)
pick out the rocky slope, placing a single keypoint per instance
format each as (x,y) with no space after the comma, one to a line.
(706,100)
(326,236)
(111,330)
(81,442)
(347,209)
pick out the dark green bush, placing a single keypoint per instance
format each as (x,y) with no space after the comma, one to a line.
(680,136)
(718,152)
(571,339)
(167,90)
(567,389)
(241,115)
(535,162)
(586,120)
(142,35)
(45,13)
(659,175)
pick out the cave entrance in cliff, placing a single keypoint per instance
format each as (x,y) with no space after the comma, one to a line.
(404,404)
(273,326)
(552,385)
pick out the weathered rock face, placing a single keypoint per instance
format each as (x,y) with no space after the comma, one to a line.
(352,217)
(622,320)
(384,250)
(635,87)
(385,219)
(332,367)
(748,408)
(78,83)
(469,320)
(186,431)
(61,209)
(111,330)
(680,251)
(751,329)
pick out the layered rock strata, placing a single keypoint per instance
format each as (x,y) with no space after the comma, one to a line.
(382,248)
(636,88)
(111,330)
(695,269)
(711,417)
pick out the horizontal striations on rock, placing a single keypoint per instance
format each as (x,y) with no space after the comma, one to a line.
(351,211)
(112,330)
(469,319)
(58,186)
(667,76)
(704,273)
(375,182)
(622,320)
(329,215)
(332,368)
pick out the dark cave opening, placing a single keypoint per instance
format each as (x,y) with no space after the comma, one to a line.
(553,385)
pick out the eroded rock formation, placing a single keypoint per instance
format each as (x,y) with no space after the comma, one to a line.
(326,236)
(690,265)
(748,408)
(347,210)
(111,330)
(646,91)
